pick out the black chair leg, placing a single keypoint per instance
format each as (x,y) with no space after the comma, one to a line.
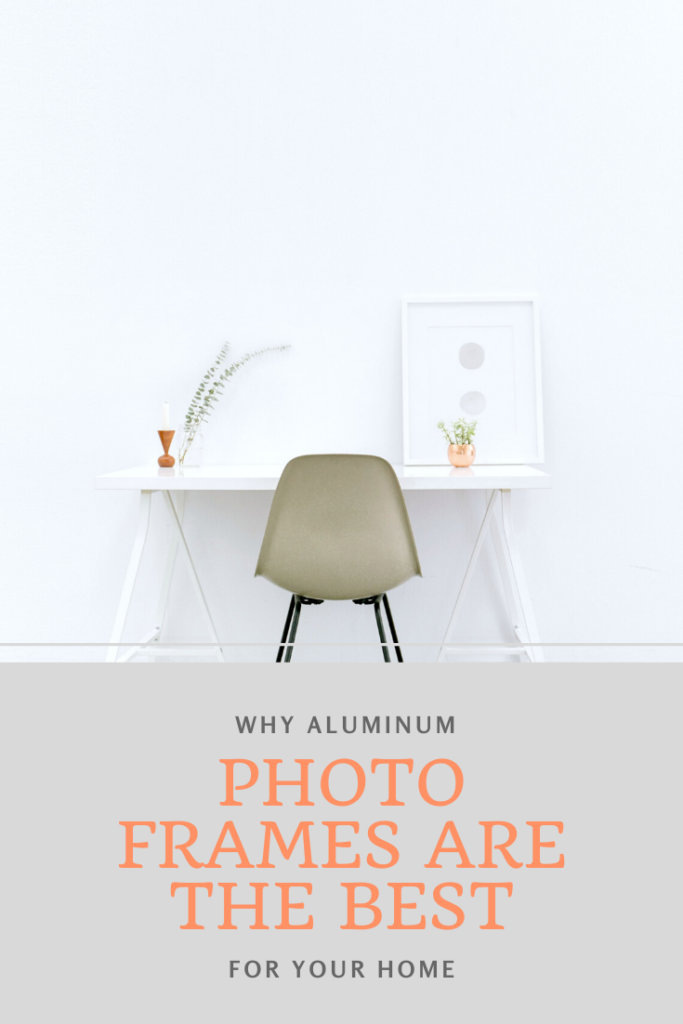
(295,626)
(285,631)
(292,624)
(392,627)
(380,628)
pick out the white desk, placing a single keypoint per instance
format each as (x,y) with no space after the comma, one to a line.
(498,483)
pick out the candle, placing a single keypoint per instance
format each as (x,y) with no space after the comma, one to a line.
(165,417)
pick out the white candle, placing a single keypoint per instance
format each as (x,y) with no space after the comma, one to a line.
(165,417)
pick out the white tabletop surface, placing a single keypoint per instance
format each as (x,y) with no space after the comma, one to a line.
(265,478)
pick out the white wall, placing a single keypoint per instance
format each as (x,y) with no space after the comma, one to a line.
(179,173)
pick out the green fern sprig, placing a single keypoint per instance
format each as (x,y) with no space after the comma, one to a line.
(210,390)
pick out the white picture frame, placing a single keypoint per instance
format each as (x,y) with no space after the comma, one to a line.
(477,356)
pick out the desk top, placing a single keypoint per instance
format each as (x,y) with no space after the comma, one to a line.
(265,478)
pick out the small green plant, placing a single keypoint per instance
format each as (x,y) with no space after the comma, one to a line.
(210,390)
(461,432)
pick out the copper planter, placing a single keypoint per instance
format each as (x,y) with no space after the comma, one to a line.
(461,454)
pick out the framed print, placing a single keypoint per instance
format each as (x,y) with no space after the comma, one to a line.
(476,357)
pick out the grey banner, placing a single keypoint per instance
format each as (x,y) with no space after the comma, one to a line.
(595,748)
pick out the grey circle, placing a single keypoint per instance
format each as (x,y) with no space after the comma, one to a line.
(473,402)
(471,355)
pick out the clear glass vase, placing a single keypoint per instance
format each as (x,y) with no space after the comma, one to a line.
(191,451)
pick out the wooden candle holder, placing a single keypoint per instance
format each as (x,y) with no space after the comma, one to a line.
(166,460)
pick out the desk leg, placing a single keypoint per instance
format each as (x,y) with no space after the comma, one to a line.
(179,536)
(512,561)
(483,529)
(131,574)
(168,574)
(506,576)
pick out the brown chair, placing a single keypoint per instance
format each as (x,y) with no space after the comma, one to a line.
(338,530)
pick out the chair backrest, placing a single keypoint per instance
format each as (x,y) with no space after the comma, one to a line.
(338,529)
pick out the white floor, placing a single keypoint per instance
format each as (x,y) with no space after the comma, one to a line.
(350,653)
